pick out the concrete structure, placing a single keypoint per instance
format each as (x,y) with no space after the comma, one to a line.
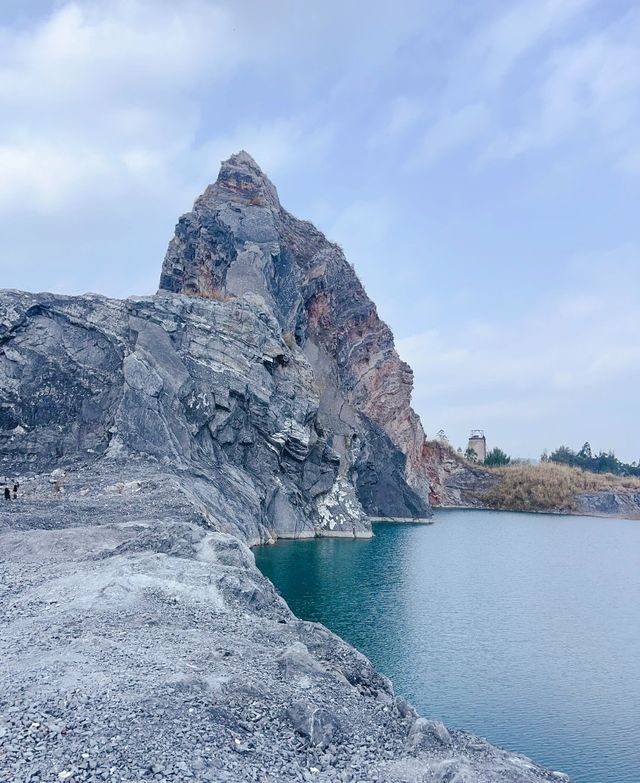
(478,444)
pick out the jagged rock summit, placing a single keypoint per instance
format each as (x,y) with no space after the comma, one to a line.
(260,374)
(237,240)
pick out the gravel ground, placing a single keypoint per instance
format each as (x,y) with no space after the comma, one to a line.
(139,644)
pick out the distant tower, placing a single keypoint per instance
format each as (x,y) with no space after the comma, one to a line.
(478,444)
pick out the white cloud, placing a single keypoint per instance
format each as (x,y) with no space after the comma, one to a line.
(451,130)
(561,355)
(38,174)
(588,86)
(92,51)
(142,91)
(539,74)
(121,97)
(498,45)
(403,112)
(96,96)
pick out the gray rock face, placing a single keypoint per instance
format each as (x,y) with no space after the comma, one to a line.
(238,239)
(315,723)
(425,733)
(207,389)
(615,503)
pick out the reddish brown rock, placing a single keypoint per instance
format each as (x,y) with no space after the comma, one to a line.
(238,239)
(454,481)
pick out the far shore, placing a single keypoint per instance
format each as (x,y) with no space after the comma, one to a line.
(553,512)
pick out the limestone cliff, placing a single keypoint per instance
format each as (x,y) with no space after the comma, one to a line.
(239,239)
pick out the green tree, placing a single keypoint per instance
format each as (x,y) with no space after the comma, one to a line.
(471,455)
(602,462)
(497,457)
(608,463)
(563,455)
(585,452)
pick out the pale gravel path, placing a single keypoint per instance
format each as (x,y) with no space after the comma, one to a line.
(137,644)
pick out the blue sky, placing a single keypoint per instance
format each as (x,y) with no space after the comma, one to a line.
(478,162)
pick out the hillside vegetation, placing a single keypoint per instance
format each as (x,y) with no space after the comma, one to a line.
(585,458)
(550,487)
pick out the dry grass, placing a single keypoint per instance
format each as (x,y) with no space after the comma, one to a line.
(445,448)
(216,296)
(548,486)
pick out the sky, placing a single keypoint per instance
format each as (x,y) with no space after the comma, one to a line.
(478,162)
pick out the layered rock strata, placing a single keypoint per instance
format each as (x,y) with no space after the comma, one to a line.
(239,239)
(208,390)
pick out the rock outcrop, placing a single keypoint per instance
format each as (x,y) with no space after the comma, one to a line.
(207,389)
(454,482)
(615,503)
(238,239)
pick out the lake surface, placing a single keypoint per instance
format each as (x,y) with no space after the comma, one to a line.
(522,628)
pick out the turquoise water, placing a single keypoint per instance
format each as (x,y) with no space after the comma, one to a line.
(522,628)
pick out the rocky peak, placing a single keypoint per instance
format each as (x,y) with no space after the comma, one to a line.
(238,240)
(241,180)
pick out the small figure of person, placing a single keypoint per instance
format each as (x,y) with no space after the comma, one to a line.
(16,485)
(7,493)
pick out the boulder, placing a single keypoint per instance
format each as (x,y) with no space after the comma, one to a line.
(317,724)
(425,734)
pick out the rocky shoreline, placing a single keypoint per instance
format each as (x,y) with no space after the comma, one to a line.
(141,643)
(459,484)
(632,515)
(403,520)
